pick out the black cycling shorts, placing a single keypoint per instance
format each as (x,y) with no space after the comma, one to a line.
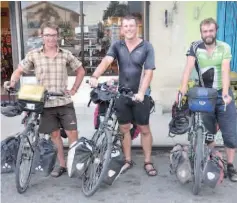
(129,111)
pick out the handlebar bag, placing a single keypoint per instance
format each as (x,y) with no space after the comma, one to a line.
(31,98)
(201,99)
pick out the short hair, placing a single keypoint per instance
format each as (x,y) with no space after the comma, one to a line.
(130,17)
(208,21)
(49,24)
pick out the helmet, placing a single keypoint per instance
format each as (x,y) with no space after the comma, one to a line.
(181,120)
(10,109)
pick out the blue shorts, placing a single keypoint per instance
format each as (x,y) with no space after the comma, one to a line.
(227,121)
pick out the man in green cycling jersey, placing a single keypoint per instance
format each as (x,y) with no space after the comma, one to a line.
(214,58)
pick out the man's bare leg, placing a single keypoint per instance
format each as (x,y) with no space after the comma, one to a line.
(57,140)
(72,136)
(127,143)
(146,141)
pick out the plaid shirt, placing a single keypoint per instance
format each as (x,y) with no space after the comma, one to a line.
(51,72)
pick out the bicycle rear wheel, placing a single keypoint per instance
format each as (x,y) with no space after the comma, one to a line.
(25,160)
(198,158)
(97,169)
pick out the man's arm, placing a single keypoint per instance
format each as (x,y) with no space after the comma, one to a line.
(25,66)
(225,76)
(76,66)
(148,75)
(80,73)
(226,71)
(107,60)
(149,66)
(190,64)
(16,75)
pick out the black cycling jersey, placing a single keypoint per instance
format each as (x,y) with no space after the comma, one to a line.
(131,64)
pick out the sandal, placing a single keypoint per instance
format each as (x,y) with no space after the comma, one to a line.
(58,171)
(152,169)
(130,165)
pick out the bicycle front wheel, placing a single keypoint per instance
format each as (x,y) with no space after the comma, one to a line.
(97,169)
(25,160)
(198,158)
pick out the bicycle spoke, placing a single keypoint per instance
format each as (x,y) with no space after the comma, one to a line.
(96,170)
(25,163)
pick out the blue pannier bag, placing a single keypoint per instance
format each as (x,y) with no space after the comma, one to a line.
(201,99)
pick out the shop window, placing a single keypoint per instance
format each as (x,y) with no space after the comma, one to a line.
(102,21)
(6,47)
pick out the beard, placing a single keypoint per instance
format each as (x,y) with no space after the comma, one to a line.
(210,41)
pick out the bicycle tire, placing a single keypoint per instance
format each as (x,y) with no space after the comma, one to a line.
(198,158)
(107,158)
(22,188)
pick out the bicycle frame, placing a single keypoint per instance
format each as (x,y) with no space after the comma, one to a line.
(110,121)
(31,122)
(197,122)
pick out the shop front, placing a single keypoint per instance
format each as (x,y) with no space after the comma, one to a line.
(6,47)
(86,28)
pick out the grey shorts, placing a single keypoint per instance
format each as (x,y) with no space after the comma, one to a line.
(55,117)
(227,121)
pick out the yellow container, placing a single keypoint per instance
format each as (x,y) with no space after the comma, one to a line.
(31,93)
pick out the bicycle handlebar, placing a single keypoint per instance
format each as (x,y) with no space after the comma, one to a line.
(54,94)
(12,90)
(110,88)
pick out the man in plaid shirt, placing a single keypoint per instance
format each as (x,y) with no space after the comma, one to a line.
(50,66)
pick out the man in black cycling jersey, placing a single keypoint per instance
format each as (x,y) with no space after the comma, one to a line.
(213,58)
(133,55)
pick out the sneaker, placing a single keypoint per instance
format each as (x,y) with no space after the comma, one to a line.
(232,173)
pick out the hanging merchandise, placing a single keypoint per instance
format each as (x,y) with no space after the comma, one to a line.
(6,55)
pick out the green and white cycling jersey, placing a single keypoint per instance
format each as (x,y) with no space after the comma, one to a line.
(210,65)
